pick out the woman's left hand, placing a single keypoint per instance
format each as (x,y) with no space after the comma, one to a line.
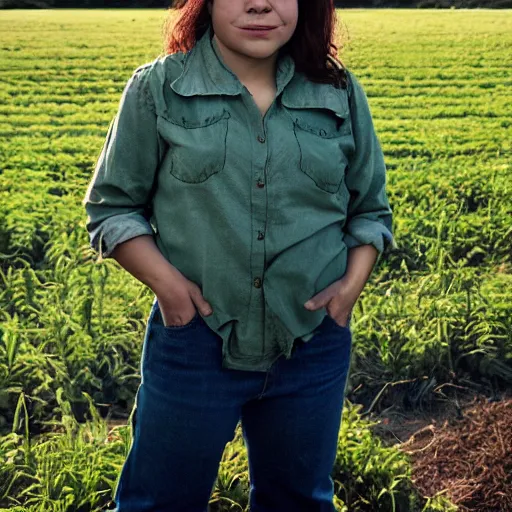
(338,298)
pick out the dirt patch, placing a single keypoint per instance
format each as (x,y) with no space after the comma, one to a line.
(465,451)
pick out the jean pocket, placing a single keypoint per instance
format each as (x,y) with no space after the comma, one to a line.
(192,322)
(336,325)
(159,319)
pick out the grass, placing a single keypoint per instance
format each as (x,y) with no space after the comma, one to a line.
(437,310)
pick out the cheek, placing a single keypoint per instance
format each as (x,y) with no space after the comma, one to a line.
(222,26)
(224,13)
(288,11)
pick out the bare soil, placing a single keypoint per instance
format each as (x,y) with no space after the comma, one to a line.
(463,449)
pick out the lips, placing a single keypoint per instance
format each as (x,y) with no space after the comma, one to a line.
(258,27)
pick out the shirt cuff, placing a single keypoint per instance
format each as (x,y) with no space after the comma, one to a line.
(117,229)
(369,232)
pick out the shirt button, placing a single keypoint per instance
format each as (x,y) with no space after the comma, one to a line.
(257,282)
(261,235)
(260,183)
(261,139)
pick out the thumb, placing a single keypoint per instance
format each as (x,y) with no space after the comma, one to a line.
(319,300)
(197,298)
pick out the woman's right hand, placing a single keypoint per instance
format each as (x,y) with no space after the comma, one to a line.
(180,300)
(177,296)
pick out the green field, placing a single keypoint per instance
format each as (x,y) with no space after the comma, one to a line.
(437,312)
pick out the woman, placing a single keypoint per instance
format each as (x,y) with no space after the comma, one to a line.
(243,182)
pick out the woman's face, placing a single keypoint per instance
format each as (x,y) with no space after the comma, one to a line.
(235,22)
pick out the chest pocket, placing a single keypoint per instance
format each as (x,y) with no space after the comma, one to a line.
(323,132)
(197,147)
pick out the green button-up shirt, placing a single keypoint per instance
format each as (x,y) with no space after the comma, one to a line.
(259,211)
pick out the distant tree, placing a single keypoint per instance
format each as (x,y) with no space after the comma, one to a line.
(26,4)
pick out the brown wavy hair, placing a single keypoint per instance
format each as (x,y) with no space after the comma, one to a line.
(312,45)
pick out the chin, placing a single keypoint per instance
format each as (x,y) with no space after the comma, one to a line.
(259,53)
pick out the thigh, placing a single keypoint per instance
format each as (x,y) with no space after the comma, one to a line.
(182,419)
(291,433)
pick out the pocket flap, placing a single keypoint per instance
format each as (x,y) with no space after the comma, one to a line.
(197,121)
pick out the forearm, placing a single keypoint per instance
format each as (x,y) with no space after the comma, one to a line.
(141,257)
(360,263)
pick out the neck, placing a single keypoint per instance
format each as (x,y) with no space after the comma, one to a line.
(248,69)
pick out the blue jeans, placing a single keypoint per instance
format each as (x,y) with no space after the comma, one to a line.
(187,408)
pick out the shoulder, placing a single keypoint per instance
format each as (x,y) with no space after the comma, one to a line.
(354,86)
(149,78)
(160,69)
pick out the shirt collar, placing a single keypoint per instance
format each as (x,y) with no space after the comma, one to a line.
(205,73)
(303,93)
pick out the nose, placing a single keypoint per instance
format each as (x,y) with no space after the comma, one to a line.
(259,6)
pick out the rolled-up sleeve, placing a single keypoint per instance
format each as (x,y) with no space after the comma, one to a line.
(117,201)
(369,215)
